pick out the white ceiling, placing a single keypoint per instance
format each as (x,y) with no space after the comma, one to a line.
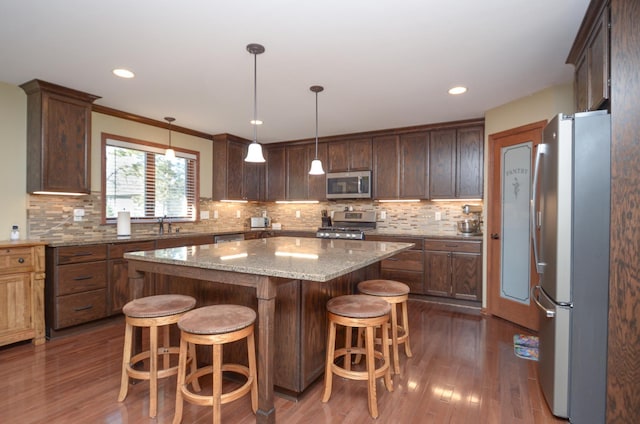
(383,63)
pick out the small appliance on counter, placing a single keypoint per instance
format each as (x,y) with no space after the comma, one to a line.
(471,226)
(259,222)
(326,219)
(349,225)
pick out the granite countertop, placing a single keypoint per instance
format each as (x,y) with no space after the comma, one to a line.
(287,257)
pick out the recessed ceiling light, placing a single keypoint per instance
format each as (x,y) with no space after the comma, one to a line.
(458,90)
(123,73)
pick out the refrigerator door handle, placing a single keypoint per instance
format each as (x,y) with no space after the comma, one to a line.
(549,313)
(541,150)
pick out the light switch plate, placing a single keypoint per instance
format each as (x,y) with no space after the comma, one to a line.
(238,215)
(297,214)
(204,214)
(438,216)
(215,214)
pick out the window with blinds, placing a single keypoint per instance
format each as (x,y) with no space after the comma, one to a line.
(139,178)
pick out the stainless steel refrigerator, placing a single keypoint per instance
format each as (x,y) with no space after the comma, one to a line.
(570,209)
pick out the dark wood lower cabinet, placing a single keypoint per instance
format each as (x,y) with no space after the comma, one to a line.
(118,273)
(453,268)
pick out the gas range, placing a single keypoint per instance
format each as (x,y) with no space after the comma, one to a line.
(340,233)
(349,225)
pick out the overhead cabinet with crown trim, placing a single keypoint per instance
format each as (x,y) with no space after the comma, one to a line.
(58,138)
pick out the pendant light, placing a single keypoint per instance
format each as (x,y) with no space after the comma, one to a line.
(254,153)
(169,153)
(316,164)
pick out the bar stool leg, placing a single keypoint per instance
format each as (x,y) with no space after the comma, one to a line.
(182,367)
(217,383)
(405,328)
(126,359)
(385,353)
(348,335)
(394,338)
(328,373)
(153,371)
(251,349)
(371,369)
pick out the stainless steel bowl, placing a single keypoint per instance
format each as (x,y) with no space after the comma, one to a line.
(469,226)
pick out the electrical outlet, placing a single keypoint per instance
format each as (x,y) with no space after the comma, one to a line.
(438,216)
(238,214)
(383,215)
(215,214)
(264,214)
(204,214)
(78,214)
(297,214)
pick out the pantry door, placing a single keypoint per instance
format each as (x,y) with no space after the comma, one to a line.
(510,270)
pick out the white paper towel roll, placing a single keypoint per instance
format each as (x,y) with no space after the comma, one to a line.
(124,223)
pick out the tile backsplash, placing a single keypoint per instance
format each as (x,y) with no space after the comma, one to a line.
(52,217)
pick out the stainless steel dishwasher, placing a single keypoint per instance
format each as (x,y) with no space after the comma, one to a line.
(223,238)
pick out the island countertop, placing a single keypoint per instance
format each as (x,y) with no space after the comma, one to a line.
(286,257)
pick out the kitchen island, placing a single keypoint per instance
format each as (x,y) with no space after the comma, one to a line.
(286,279)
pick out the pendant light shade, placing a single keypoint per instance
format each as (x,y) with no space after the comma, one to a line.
(254,153)
(169,153)
(316,164)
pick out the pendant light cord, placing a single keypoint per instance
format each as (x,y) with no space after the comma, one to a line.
(316,125)
(255,98)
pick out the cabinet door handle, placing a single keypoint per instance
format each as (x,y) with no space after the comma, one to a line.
(83,308)
(495,236)
(451,245)
(83,277)
(20,260)
(393,259)
(82,254)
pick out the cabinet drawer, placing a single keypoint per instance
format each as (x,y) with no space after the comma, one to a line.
(184,241)
(117,250)
(454,245)
(16,259)
(76,254)
(77,278)
(80,308)
(409,260)
(412,279)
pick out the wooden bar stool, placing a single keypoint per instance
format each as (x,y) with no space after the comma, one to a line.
(362,312)
(214,326)
(152,312)
(396,293)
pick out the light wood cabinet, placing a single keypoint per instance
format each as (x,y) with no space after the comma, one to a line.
(453,268)
(58,138)
(22,274)
(591,56)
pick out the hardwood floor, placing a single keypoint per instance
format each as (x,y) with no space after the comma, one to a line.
(463,371)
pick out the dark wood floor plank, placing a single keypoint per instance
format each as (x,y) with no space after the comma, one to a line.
(463,370)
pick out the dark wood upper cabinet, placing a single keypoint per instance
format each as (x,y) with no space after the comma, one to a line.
(591,56)
(386,169)
(276,180)
(469,162)
(58,138)
(349,155)
(414,172)
(297,172)
(456,163)
(233,178)
(317,183)
(442,164)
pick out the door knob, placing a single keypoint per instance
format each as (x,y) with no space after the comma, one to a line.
(495,236)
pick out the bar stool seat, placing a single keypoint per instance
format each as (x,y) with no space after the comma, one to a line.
(152,312)
(396,293)
(214,326)
(362,312)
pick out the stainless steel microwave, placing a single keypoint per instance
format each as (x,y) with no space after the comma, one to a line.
(349,185)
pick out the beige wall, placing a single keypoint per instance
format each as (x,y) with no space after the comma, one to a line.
(539,106)
(13,176)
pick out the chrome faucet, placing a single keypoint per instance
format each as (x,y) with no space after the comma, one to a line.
(161,227)
(169,227)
